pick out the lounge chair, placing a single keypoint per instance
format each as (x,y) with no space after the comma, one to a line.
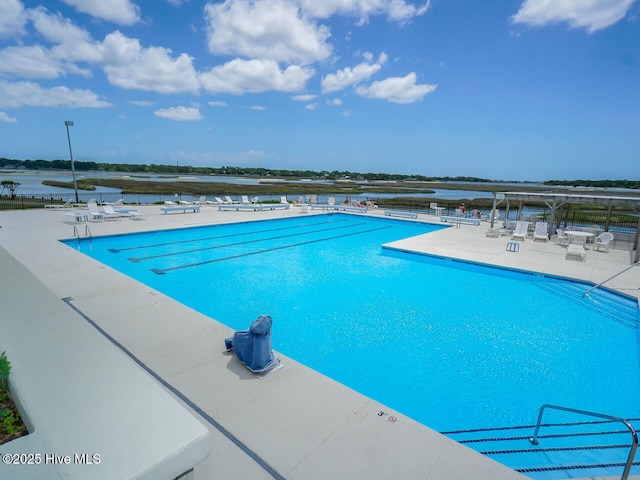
(520,231)
(67,204)
(541,231)
(219,201)
(169,202)
(110,213)
(245,200)
(227,199)
(95,212)
(185,202)
(602,241)
(283,199)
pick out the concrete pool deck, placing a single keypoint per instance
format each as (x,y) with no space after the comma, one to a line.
(296,423)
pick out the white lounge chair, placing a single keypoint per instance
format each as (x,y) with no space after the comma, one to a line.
(541,231)
(110,213)
(602,241)
(219,201)
(283,199)
(520,231)
(245,200)
(227,199)
(67,204)
(169,202)
(95,212)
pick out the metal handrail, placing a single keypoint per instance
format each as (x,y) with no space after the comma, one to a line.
(634,435)
(611,278)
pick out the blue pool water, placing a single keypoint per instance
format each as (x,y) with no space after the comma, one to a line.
(453,345)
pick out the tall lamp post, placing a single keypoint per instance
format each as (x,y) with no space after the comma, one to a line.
(69,123)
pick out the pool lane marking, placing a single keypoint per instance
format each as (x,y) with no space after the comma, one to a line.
(118,250)
(162,271)
(245,242)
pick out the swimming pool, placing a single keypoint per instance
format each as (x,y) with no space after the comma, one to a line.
(453,345)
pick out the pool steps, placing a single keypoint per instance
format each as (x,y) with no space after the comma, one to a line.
(566,450)
(599,300)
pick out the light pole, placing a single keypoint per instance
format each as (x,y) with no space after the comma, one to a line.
(69,123)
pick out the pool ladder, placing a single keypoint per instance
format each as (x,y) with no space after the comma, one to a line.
(632,431)
(87,232)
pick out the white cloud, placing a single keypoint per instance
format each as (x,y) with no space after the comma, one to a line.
(180,113)
(141,103)
(122,12)
(258,108)
(347,76)
(218,104)
(336,102)
(590,14)
(311,106)
(254,76)
(19,94)
(12,17)
(6,118)
(268,29)
(129,65)
(30,62)
(36,61)
(397,10)
(303,98)
(396,89)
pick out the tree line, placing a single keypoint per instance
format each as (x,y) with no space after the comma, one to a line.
(7,163)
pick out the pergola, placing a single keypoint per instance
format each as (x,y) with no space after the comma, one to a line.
(557,201)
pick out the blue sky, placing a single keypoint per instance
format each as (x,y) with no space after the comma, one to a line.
(515,89)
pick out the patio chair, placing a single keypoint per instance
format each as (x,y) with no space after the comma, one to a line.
(219,201)
(520,231)
(245,200)
(283,199)
(561,238)
(602,241)
(227,199)
(541,231)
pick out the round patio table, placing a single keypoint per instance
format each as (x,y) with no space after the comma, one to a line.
(578,234)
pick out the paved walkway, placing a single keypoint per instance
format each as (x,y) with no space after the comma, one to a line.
(296,423)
